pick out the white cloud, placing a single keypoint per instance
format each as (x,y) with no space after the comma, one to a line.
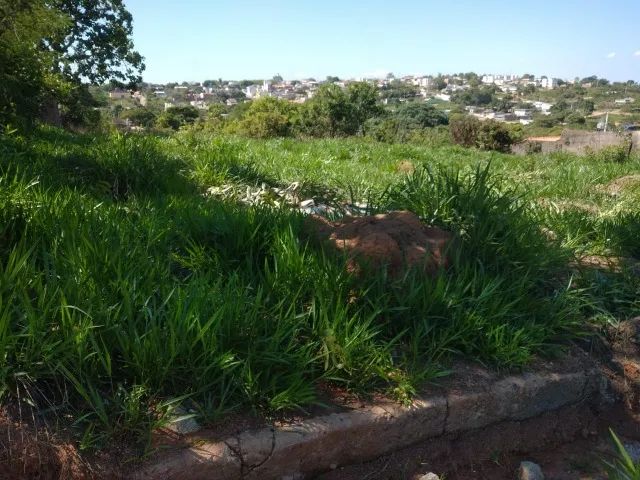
(611,55)
(636,53)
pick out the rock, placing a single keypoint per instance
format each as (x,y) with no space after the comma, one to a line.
(183,422)
(530,471)
(633,450)
(429,476)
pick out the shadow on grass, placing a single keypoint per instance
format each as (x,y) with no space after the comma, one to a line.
(104,166)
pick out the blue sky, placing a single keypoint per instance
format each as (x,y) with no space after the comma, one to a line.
(237,39)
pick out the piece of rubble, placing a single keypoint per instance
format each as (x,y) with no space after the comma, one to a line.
(530,471)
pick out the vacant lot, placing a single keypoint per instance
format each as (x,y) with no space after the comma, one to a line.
(141,273)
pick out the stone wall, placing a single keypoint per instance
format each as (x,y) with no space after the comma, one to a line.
(579,142)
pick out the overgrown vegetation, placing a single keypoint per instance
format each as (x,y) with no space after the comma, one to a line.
(125,291)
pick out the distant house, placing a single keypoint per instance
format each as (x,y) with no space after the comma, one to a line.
(423,82)
(443,96)
(119,94)
(624,101)
(473,109)
(505,117)
(142,100)
(548,83)
(199,104)
(160,93)
(509,88)
(522,112)
(231,102)
(544,107)
(252,91)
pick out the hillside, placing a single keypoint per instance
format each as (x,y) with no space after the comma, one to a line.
(141,274)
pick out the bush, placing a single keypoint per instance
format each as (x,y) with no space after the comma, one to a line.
(464,130)
(612,153)
(494,136)
(140,116)
(176,117)
(488,135)
(266,118)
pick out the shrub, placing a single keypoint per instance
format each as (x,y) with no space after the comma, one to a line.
(464,130)
(612,153)
(488,135)
(176,117)
(266,118)
(494,136)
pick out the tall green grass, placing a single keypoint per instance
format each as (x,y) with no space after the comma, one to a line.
(124,291)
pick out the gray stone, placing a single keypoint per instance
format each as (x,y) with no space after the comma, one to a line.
(530,471)
(633,449)
(183,422)
(429,476)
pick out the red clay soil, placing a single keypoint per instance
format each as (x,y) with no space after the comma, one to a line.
(28,453)
(393,240)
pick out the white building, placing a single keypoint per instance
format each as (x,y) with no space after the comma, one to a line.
(252,91)
(423,82)
(544,107)
(443,96)
(548,83)
(119,94)
(522,112)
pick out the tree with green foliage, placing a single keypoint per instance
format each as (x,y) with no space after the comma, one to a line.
(334,111)
(439,83)
(420,115)
(96,46)
(51,51)
(468,131)
(141,116)
(406,122)
(266,117)
(464,130)
(495,136)
(25,74)
(363,101)
(479,96)
(398,90)
(179,116)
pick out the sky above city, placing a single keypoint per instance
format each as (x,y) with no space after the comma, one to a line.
(197,40)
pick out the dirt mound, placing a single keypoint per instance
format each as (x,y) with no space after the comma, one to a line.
(624,348)
(405,166)
(393,240)
(617,186)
